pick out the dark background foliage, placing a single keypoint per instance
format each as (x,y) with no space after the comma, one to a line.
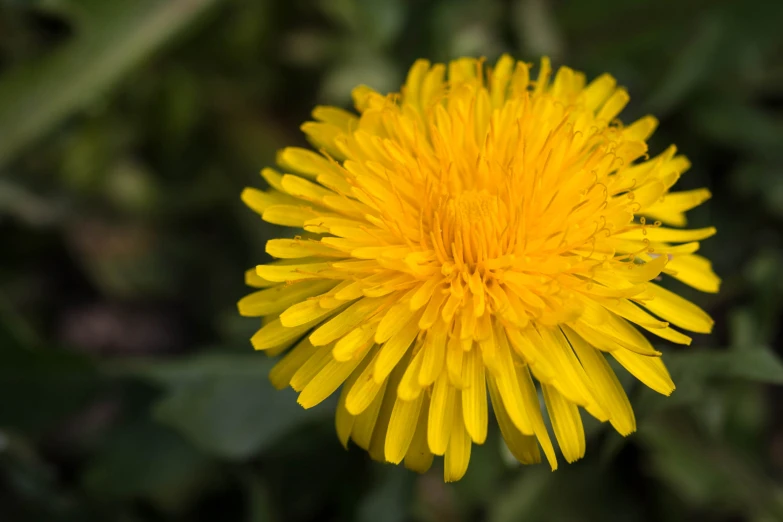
(128,388)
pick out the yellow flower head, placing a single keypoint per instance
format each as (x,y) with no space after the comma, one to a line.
(473,234)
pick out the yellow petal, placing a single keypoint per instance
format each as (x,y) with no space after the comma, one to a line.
(649,370)
(364,424)
(671,235)
(354,341)
(570,377)
(336,116)
(454,357)
(501,75)
(520,79)
(302,161)
(327,380)
(365,389)
(453,303)
(280,348)
(633,313)
(259,200)
(678,202)
(343,323)
(377,449)
(441,415)
(508,385)
(344,421)
(434,354)
(523,447)
(641,129)
(679,311)
(324,136)
(252,279)
(613,332)
(312,366)
(474,397)
(280,375)
(350,292)
(648,193)
(276,299)
(310,312)
(362,96)
(297,248)
(432,311)
(627,247)
(543,75)
(306,190)
(532,353)
(282,273)
(291,215)
(638,273)
(423,294)
(419,457)
(616,103)
(402,426)
(432,85)
(532,405)
(695,271)
(598,90)
(315,166)
(488,341)
(457,457)
(274,334)
(393,350)
(394,319)
(608,390)
(273,177)
(561,87)
(410,388)
(411,92)
(566,423)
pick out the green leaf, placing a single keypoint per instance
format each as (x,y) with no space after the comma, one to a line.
(15,332)
(146,460)
(523,497)
(382,20)
(693,371)
(709,473)
(692,65)
(111,38)
(43,386)
(377,22)
(484,473)
(27,206)
(464,28)
(361,67)
(535,23)
(739,125)
(743,328)
(389,500)
(259,501)
(759,364)
(225,404)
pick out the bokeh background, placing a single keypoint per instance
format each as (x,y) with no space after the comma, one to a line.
(128,389)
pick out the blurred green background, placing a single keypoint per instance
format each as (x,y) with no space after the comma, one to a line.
(128,388)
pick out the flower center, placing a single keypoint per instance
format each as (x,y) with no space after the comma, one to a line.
(472,225)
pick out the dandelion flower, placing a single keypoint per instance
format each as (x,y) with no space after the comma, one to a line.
(475,238)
